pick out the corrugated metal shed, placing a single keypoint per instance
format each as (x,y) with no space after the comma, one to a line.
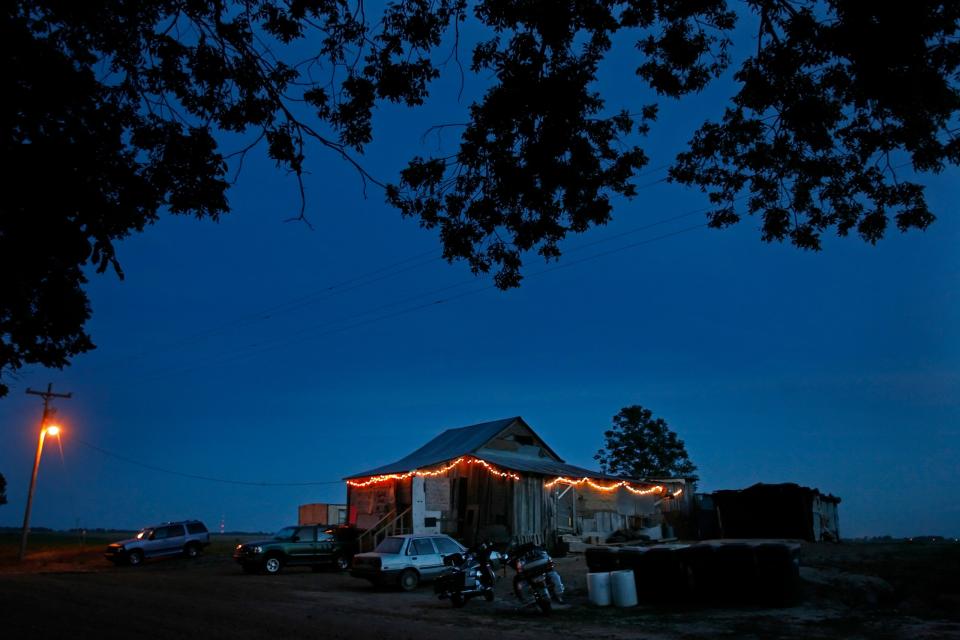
(453,443)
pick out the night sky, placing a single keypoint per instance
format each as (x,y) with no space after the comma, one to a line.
(262,351)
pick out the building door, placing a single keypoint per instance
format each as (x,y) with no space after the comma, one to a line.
(461,502)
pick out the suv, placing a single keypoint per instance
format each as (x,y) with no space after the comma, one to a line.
(184,538)
(313,545)
(406,560)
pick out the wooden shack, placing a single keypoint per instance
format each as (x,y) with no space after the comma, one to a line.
(322,513)
(785,510)
(500,480)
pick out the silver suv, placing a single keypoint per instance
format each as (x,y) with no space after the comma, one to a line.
(185,538)
(405,560)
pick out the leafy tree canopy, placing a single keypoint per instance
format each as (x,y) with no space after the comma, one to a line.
(641,446)
(3,489)
(113,110)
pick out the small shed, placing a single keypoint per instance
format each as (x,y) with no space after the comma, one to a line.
(501,480)
(322,513)
(784,510)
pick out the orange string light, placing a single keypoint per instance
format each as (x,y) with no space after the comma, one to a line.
(432,473)
(610,487)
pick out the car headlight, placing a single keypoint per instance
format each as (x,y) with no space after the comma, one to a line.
(239,547)
(258,549)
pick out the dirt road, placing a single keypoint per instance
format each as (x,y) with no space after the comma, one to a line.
(211,598)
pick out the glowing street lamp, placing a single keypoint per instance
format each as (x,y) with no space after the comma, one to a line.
(45,430)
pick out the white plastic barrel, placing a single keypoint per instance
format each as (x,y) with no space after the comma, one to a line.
(598,589)
(623,588)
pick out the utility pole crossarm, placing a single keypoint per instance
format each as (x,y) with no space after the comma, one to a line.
(48,394)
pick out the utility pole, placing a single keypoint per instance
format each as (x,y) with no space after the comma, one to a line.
(47,412)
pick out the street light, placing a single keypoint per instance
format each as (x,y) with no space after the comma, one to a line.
(45,429)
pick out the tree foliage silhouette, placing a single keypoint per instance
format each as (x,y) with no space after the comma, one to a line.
(3,489)
(641,446)
(113,112)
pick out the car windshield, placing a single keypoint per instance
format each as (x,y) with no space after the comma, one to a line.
(390,545)
(285,534)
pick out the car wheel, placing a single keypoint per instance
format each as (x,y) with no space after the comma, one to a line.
(272,565)
(191,550)
(341,563)
(409,580)
(135,558)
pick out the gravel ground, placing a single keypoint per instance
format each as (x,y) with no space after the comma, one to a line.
(81,597)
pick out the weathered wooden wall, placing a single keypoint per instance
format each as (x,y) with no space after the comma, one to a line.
(368,505)
(320,513)
(826,520)
(600,513)
(469,503)
(520,440)
(533,510)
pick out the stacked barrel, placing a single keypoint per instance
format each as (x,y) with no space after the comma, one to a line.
(714,572)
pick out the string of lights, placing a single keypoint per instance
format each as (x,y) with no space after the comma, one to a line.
(430,473)
(422,473)
(442,470)
(593,484)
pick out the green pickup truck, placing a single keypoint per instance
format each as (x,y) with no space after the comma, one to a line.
(317,546)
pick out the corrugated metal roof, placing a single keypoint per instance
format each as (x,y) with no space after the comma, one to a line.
(462,441)
(449,445)
(542,466)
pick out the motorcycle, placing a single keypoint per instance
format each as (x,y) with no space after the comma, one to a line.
(468,575)
(536,579)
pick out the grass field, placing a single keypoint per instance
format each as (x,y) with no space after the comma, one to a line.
(62,550)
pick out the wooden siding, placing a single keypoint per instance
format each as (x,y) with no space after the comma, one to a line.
(521,440)
(533,510)
(369,504)
(472,504)
(321,513)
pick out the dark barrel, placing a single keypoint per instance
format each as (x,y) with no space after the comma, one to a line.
(602,559)
(778,572)
(702,572)
(661,575)
(736,573)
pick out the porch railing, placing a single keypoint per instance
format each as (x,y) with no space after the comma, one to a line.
(391,524)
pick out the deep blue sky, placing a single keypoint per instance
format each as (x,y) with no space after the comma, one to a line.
(838,370)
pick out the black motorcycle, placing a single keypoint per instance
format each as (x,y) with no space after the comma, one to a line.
(536,579)
(468,575)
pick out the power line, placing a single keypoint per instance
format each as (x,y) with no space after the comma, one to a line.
(337,326)
(326,329)
(289,305)
(194,476)
(365,279)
